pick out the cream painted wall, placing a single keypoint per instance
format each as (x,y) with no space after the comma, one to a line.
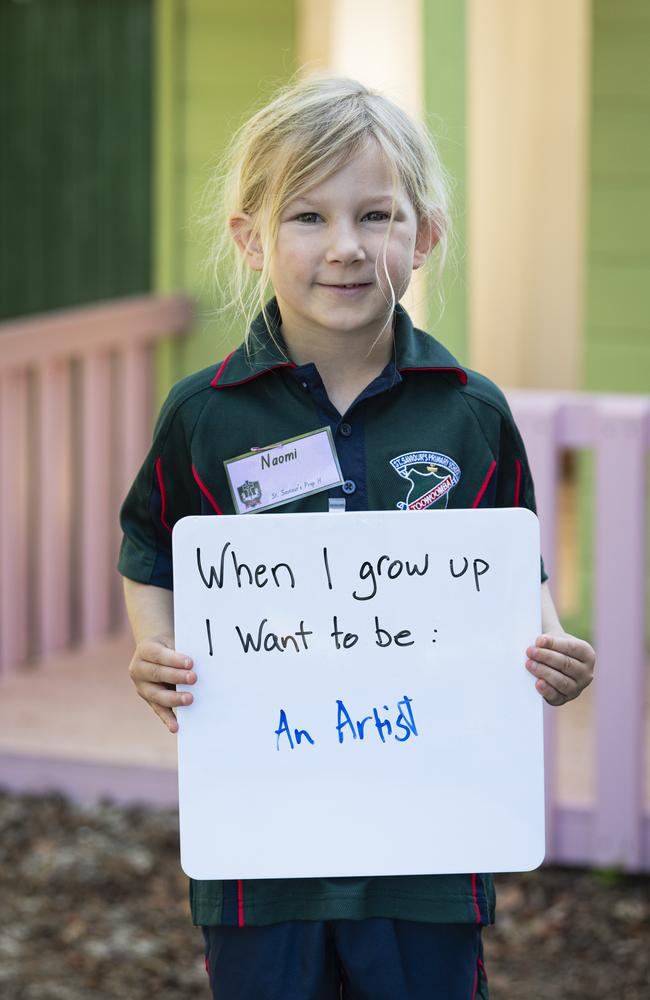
(357,38)
(528,73)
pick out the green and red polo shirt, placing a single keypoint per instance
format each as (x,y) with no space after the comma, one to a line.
(425,434)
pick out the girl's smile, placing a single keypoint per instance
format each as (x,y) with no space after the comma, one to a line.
(349,289)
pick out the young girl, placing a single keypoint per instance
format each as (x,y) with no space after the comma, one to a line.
(333,198)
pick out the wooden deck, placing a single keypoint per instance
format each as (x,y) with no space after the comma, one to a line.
(76,724)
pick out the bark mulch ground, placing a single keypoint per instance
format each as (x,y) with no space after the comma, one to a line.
(93,906)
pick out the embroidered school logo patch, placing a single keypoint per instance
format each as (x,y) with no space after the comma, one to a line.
(431,476)
(250,493)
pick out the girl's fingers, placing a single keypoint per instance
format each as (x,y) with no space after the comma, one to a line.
(558,662)
(565,685)
(154,673)
(562,665)
(156,652)
(162,700)
(164,697)
(550,694)
(568,657)
(155,669)
(576,649)
(167,717)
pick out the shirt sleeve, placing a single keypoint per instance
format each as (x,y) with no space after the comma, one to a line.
(515,486)
(164,490)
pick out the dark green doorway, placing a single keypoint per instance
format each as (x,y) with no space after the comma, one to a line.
(75,152)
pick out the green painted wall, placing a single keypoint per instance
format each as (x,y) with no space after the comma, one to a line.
(444,40)
(617,335)
(617,293)
(216,62)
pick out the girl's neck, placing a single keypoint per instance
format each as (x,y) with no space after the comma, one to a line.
(347,362)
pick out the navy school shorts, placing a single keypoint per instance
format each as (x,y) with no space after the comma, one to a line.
(374,959)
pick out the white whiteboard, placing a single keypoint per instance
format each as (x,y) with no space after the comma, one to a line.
(457,783)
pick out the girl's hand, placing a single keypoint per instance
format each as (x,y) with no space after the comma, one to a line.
(155,669)
(563,665)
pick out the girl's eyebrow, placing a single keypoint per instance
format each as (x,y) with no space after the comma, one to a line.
(366,199)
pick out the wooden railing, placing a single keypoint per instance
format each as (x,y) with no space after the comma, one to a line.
(615,828)
(75,422)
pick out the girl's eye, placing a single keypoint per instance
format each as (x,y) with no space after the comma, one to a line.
(308,217)
(377,216)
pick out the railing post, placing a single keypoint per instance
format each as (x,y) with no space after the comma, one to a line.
(13,518)
(96,508)
(135,432)
(538,422)
(620,502)
(134,417)
(54,500)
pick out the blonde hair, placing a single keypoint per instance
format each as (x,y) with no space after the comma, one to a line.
(305,134)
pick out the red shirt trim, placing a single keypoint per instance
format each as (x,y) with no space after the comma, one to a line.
(206,492)
(163,495)
(221,368)
(518,482)
(215,381)
(479,495)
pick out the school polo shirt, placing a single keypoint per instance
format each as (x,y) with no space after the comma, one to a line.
(425,434)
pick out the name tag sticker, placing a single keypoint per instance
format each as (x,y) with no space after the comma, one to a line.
(268,477)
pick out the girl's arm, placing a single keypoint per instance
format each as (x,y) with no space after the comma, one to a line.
(563,664)
(155,666)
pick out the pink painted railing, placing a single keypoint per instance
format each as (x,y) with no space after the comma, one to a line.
(75,422)
(615,829)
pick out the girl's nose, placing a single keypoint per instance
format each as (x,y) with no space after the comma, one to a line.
(344,245)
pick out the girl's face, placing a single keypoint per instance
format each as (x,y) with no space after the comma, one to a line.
(327,267)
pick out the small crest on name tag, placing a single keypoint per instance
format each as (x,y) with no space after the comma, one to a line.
(250,493)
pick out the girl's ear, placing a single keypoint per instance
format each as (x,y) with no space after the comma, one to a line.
(425,241)
(247,239)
